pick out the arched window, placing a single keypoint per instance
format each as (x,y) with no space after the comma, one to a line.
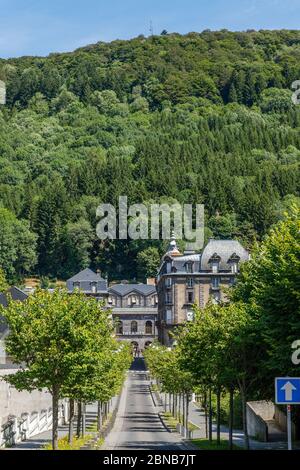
(148,327)
(119,328)
(134,326)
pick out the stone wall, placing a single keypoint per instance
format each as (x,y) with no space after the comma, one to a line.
(280,418)
(257,413)
(24,414)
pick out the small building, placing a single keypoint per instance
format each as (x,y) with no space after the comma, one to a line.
(134,308)
(90,283)
(15,294)
(194,278)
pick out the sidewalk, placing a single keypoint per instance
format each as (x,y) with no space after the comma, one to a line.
(197,417)
(38,441)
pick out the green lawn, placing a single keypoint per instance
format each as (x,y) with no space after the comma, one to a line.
(204,444)
(172,422)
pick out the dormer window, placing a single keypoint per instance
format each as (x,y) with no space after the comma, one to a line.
(215,267)
(133,300)
(234,267)
(234,263)
(94,287)
(189,267)
(215,263)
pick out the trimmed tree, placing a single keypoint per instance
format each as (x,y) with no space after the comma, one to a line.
(55,337)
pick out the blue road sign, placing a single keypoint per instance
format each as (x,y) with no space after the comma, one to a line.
(287,390)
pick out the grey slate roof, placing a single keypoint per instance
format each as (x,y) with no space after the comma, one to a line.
(225,249)
(86,278)
(16,294)
(125,289)
(179,262)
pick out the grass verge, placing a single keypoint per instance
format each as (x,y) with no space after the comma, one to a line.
(172,422)
(205,444)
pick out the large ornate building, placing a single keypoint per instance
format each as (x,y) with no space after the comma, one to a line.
(192,278)
(134,309)
(134,306)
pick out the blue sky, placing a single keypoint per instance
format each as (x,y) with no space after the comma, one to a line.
(38,27)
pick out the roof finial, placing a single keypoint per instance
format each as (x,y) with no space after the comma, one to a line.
(173,249)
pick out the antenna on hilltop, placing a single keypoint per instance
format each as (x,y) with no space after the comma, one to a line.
(151,28)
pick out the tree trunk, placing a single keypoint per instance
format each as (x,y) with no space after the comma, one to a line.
(244,407)
(205,411)
(99,417)
(79,416)
(71,422)
(169,402)
(83,419)
(218,416)
(165,402)
(187,415)
(230,417)
(105,410)
(179,407)
(183,410)
(173,405)
(209,417)
(55,404)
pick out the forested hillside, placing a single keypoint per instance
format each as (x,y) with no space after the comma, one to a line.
(202,118)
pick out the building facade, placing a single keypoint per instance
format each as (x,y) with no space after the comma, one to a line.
(134,306)
(193,278)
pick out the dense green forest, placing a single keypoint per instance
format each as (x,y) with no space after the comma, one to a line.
(201,118)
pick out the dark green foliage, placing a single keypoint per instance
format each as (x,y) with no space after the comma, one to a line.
(202,118)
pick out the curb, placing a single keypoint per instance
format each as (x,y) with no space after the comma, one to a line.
(155,398)
(106,428)
(152,397)
(165,425)
(185,442)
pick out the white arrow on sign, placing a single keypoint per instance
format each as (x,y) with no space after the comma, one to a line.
(288,388)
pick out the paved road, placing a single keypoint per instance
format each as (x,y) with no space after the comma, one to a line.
(137,425)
